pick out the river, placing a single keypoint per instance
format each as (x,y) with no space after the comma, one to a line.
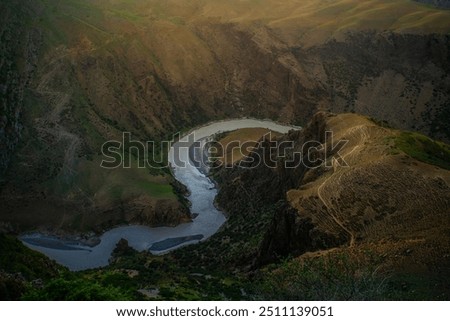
(158,240)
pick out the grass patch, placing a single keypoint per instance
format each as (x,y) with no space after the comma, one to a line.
(20,265)
(333,277)
(424,149)
(77,289)
(120,183)
(16,258)
(155,189)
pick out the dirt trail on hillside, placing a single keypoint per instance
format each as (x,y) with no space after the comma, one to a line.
(332,213)
(50,124)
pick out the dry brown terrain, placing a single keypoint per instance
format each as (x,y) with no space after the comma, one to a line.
(384,203)
(234,146)
(379,195)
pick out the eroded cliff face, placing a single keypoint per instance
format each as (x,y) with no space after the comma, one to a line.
(400,79)
(19,50)
(379,195)
(251,187)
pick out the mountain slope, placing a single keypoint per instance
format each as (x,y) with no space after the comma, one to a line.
(384,202)
(153,69)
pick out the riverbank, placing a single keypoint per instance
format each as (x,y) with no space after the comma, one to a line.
(141,238)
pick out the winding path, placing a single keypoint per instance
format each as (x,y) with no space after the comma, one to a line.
(333,216)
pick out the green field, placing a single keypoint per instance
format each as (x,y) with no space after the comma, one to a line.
(424,149)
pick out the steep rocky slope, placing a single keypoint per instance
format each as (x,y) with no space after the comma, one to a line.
(18,55)
(380,200)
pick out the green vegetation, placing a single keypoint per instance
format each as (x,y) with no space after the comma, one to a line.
(236,244)
(77,289)
(19,266)
(16,258)
(29,275)
(186,275)
(424,149)
(334,277)
(155,189)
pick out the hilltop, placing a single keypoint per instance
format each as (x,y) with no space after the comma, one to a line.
(386,193)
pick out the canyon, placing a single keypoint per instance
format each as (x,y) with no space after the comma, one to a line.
(76,74)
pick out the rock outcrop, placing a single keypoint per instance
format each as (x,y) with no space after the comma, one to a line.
(363,193)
